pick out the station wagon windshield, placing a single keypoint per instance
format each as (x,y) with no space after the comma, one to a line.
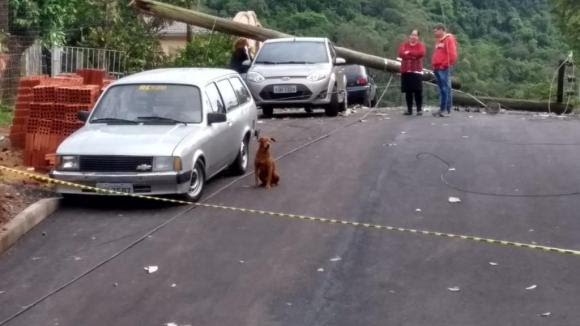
(149,104)
(293,53)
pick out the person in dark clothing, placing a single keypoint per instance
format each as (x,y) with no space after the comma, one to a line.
(412,53)
(241,53)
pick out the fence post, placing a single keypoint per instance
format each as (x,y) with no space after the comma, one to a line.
(56,58)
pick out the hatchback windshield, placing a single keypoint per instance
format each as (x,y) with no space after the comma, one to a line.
(149,103)
(293,53)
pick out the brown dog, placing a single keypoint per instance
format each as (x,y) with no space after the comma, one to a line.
(265,166)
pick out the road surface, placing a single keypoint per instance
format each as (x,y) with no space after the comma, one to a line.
(219,267)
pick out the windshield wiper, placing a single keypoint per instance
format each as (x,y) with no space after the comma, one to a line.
(114,120)
(296,62)
(163,119)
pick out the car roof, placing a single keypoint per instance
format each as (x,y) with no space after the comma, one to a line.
(184,76)
(297,39)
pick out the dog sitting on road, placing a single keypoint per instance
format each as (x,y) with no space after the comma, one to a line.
(265,166)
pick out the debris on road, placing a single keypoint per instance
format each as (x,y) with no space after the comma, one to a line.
(242,261)
(289,304)
(320,270)
(546,314)
(531,287)
(493,263)
(451,169)
(464,137)
(454,200)
(335,259)
(403,132)
(173,285)
(418,210)
(454,289)
(151,269)
(115,284)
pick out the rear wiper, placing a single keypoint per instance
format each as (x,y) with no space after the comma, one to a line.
(156,118)
(114,120)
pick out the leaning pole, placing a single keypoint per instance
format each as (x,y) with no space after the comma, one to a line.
(214,23)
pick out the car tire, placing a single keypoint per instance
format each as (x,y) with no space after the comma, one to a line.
(267,111)
(197,183)
(367,101)
(333,107)
(240,165)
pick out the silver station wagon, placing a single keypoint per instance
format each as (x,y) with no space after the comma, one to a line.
(161,132)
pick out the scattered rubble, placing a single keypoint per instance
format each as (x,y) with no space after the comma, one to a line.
(454,200)
(454,289)
(151,269)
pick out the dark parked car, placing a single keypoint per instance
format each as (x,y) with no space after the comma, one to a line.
(360,87)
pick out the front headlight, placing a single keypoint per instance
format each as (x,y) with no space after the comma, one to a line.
(67,163)
(166,164)
(255,77)
(316,76)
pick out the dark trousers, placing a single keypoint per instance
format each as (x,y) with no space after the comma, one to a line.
(418,100)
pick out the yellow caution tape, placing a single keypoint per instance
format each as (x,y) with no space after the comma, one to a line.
(303,217)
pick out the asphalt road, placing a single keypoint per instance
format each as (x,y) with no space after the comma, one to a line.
(228,268)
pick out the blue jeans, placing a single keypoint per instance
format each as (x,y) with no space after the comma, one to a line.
(445,90)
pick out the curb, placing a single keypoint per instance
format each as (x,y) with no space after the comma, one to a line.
(27,220)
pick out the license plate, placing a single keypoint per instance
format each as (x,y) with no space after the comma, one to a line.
(285,89)
(118,187)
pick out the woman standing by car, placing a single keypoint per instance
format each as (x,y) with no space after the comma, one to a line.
(241,53)
(412,53)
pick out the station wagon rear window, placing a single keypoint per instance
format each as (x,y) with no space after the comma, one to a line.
(149,104)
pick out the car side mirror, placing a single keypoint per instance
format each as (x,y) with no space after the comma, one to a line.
(83,115)
(216,118)
(339,61)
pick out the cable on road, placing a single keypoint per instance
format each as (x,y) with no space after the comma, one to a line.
(485,193)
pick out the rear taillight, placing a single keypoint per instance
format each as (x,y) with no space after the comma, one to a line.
(362,81)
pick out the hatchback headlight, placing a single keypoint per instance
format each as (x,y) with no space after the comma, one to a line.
(255,77)
(166,164)
(316,76)
(67,163)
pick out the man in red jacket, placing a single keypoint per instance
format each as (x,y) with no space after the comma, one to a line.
(444,58)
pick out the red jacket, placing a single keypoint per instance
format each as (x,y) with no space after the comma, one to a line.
(445,53)
(412,56)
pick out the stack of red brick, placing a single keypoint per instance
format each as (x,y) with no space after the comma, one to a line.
(46,112)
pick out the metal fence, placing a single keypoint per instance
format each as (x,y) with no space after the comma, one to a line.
(71,59)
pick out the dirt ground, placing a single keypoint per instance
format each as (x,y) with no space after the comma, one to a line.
(16,193)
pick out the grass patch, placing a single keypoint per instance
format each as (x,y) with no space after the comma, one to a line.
(5,116)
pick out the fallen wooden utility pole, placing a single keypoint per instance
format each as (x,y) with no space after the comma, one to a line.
(512,104)
(213,23)
(192,17)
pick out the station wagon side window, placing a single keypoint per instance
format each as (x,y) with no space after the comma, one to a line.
(217,105)
(241,90)
(228,94)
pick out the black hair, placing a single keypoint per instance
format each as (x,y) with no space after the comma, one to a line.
(440,27)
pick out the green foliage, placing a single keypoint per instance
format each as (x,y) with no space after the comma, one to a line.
(5,115)
(508,48)
(208,50)
(567,14)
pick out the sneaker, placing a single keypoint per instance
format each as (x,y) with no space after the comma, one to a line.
(407,113)
(420,113)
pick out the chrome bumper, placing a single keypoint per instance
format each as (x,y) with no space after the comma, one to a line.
(152,183)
